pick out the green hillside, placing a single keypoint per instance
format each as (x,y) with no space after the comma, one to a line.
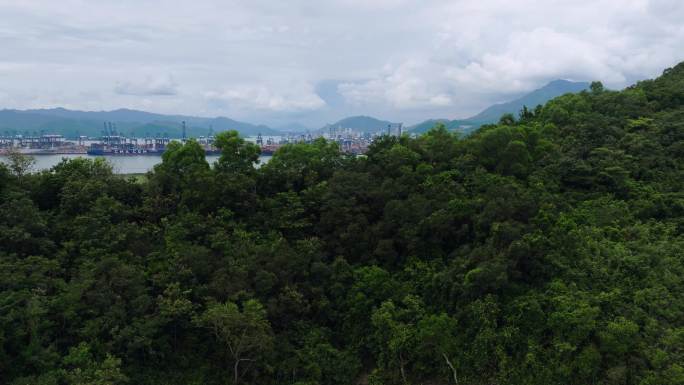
(129,122)
(493,113)
(531,100)
(544,250)
(451,125)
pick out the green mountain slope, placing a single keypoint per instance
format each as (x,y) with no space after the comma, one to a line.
(531,100)
(493,113)
(130,122)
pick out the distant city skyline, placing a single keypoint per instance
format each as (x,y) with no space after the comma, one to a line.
(278,63)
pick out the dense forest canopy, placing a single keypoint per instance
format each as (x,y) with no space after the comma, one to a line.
(546,249)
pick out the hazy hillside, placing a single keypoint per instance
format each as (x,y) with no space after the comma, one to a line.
(531,100)
(360,123)
(451,125)
(493,113)
(130,122)
(140,123)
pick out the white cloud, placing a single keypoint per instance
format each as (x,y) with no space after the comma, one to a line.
(262,97)
(538,55)
(488,50)
(149,86)
(411,85)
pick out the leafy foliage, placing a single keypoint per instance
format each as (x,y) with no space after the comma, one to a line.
(547,249)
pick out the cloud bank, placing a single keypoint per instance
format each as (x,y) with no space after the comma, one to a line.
(267,61)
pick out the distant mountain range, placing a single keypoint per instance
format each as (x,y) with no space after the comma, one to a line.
(140,123)
(129,122)
(493,113)
(489,115)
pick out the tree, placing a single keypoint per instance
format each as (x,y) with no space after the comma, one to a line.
(596,87)
(507,120)
(237,154)
(322,363)
(301,165)
(182,179)
(18,163)
(436,338)
(245,333)
(175,307)
(81,368)
(395,333)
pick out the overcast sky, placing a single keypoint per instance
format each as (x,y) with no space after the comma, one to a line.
(315,61)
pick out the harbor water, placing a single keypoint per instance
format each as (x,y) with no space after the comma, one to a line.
(120,164)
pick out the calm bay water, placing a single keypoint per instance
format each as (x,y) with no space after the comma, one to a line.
(121,164)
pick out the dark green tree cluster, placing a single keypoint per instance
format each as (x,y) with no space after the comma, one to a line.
(546,249)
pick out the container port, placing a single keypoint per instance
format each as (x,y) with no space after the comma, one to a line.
(113,143)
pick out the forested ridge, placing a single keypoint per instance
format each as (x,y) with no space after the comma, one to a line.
(546,249)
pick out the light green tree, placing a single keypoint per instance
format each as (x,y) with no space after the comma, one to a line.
(245,333)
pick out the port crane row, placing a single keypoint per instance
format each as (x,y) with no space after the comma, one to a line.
(112,142)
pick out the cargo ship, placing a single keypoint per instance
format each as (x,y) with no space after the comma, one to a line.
(114,145)
(120,145)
